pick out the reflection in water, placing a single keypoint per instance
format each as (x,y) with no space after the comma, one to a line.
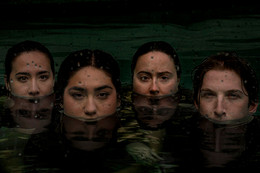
(222,145)
(31,115)
(153,112)
(92,135)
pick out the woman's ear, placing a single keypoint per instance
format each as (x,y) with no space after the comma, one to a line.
(253,108)
(196,105)
(7,83)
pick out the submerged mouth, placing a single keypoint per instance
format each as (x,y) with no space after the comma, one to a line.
(86,119)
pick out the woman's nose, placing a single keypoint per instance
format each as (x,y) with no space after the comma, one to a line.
(90,107)
(34,89)
(154,89)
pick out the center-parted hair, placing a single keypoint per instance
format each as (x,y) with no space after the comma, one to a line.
(84,58)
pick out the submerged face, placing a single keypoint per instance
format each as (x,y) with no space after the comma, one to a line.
(223,97)
(154,112)
(90,95)
(31,75)
(32,115)
(155,74)
(89,136)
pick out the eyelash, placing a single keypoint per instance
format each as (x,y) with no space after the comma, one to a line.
(103,95)
(22,79)
(77,96)
(44,77)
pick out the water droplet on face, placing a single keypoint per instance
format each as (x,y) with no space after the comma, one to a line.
(151,57)
(80,82)
(40,66)
(32,62)
(27,64)
(11,81)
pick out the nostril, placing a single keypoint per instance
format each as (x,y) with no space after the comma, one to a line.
(154,92)
(34,93)
(219,114)
(90,113)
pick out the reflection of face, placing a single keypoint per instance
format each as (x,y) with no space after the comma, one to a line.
(31,75)
(89,136)
(221,144)
(90,94)
(222,96)
(32,113)
(155,74)
(152,112)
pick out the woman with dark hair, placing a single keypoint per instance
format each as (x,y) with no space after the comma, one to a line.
(88,85)
(225,88)
(29,70)
(155,69)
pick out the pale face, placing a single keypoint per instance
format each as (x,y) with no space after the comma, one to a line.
(155,74)
(154,111)
(89,136)
(31,75)
(223,98)
(90,94)
(32,114)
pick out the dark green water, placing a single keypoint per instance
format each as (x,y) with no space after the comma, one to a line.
(195,33)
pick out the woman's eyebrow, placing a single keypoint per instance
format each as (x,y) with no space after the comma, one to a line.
(23,73)
(42,72)
(103,87)
(77,89)
(146,72)
(164,72)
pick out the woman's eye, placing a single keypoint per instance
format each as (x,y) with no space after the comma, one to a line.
(164,78)
(103,95)
(44,77)
(77,96)
(22,78)
(144,78)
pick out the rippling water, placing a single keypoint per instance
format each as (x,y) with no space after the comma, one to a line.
(163,150)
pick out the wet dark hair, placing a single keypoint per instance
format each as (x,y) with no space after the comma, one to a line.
(227,61)
(160,46)
(25,46)
(83,58)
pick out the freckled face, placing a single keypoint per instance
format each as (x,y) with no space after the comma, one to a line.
(31,75)
(222,96)
(155,74)
(90,94)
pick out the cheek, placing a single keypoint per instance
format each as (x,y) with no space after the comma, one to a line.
(108,107)
(205,107)
(70,106)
